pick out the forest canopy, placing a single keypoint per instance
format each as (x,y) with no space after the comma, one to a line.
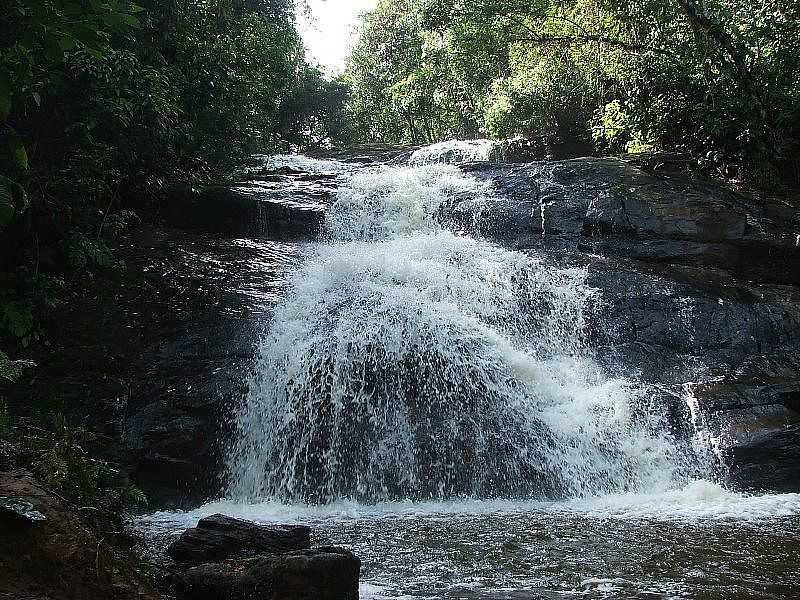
(718,79)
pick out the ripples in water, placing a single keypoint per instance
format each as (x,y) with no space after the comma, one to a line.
(700,542)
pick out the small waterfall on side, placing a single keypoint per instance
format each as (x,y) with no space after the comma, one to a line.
(410,362)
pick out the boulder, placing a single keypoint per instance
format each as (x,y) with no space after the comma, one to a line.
(52,549)
(219,537)
(320,574)
(767,459)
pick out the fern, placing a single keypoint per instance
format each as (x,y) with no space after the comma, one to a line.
(83,252)
(12,370)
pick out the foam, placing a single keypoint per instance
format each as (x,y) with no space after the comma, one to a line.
(454,152)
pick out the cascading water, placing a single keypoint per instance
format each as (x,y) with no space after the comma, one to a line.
(407,362)
(454,152)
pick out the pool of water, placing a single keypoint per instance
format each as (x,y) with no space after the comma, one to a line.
(700,542)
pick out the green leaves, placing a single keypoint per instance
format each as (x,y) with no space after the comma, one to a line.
(83,252)
(10,370)
(20,154)
(16,318)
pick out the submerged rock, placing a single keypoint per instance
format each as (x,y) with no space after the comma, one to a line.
(219,537)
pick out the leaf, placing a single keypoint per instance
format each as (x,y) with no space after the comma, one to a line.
(16,318)
(20,154)
(131,21)
(67,43)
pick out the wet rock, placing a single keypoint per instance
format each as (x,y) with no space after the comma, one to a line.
(219,537)
(320,574)
(696,282)
(284,204)
(19,510)
(614,207)
(767,459)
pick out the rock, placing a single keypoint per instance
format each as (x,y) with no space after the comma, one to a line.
(613,207)
(767,459)
(288,204)
(16,509)
(319,574)
(219,537)
(49,549)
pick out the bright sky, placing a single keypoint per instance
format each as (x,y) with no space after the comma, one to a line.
(330,33)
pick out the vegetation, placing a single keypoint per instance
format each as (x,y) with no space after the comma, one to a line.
(718,79)
(106,104)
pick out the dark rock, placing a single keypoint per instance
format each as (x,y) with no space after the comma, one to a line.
(285,204)
(537,148)
(219,537)
(767,459)
(614,207)
(319,574)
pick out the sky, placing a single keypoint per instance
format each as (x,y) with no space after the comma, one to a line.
(330,32)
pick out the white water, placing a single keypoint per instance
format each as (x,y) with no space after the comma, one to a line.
(410,363)
(302,163)
(454,152)
(697,500)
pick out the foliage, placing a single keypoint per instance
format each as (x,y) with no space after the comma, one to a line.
(12,370)
(718,79)
(313,114)
(55,452)
(106,104)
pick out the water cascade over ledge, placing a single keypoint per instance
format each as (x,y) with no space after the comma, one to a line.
(408,362)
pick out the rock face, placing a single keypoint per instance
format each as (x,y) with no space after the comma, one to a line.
(219,537)
(612,207)
(50,550)
(700,291)
(240,560)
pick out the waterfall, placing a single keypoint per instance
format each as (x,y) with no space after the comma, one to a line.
(454,151)
(407,361)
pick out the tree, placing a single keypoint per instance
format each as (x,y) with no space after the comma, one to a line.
(717,79)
